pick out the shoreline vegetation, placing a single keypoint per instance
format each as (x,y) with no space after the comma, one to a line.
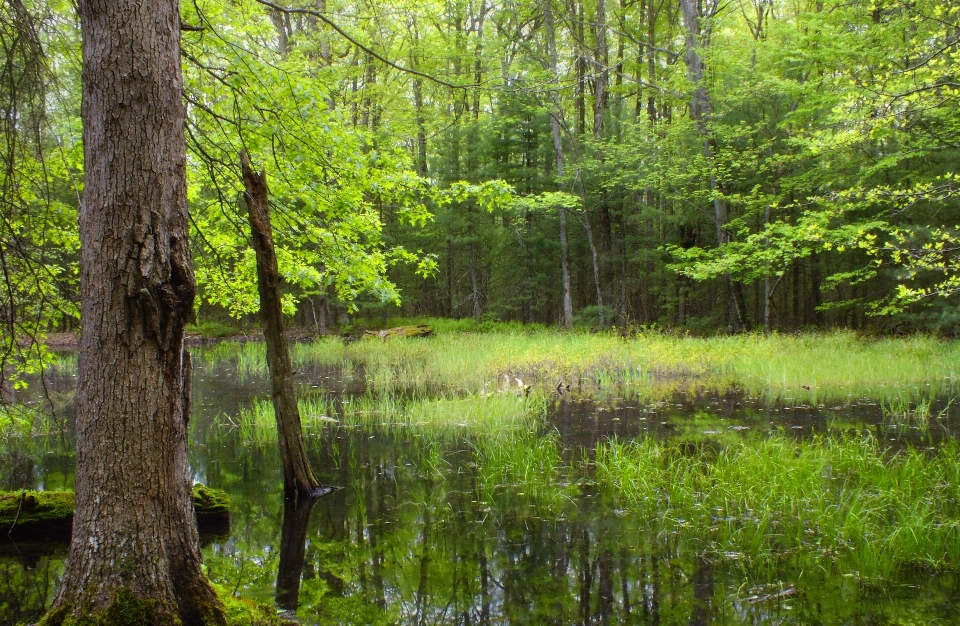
(844,499)
(477,358)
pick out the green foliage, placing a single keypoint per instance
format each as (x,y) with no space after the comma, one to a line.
(828,192)
(243,612)
(213,330)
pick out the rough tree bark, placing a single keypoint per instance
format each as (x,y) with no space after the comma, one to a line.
(298,477)
(133,556)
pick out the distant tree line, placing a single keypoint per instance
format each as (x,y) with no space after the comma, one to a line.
(710,166)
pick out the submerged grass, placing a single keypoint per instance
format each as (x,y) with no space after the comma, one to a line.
(523,469)
(846,500)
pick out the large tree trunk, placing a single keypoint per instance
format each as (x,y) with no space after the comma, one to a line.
(134,546)
(298,476)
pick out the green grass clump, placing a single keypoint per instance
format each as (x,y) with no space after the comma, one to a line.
(844,499)
(215,330)
(438,417)
(526,468)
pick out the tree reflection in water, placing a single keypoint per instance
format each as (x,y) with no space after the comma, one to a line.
(293,547)
(445,534)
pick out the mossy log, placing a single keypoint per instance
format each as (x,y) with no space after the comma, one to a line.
(420,330)
(32,513)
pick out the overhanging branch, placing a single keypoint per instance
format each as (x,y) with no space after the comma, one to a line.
(367,49)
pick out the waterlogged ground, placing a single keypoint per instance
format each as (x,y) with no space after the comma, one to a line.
(510,521)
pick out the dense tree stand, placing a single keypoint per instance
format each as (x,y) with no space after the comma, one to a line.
(134,557)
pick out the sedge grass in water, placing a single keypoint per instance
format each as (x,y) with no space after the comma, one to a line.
(843,500)
(438,418)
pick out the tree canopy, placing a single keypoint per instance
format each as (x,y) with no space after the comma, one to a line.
(752,163)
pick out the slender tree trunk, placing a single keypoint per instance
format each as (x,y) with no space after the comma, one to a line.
(298,476)
(281,22)
(594,257)
(134,545)
(601,78)
(558,153)
(651,61)
(472,267)
(581,67)
(767,285)
(421,146)
(421,127)
(701,111)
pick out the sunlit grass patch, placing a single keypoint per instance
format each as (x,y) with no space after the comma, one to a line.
(815,368)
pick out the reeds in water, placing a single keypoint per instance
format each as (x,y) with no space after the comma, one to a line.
(845,500)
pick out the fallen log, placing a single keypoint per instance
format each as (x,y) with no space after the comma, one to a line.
(50,513)
(420,330)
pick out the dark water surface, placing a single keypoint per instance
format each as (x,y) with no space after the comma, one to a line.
(419,534)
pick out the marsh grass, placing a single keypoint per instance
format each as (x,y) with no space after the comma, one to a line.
(908,409)
(841,500)
(845,500)
(524,469)
(800,369)
(440,418)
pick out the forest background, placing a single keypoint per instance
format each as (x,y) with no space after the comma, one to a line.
(704,165)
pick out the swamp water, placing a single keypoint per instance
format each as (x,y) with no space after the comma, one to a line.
(472,526)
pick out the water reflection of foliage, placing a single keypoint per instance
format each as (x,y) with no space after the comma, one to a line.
(487,520)
(491,531)
(26,586)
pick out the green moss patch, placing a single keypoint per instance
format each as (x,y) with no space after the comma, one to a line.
(243,612)
(210,501)
(51,512)
(125,610)
(27,511)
